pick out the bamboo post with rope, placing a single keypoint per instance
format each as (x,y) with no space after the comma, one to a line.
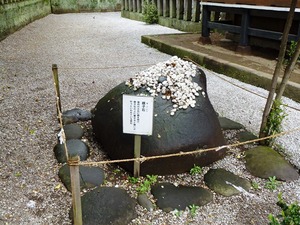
(72,161)
(75,186)
(56,84)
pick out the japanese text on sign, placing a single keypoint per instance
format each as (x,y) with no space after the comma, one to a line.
(137,115)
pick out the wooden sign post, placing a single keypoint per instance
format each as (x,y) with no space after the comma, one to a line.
(137,120)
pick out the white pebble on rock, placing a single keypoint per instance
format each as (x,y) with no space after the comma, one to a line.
(173,80)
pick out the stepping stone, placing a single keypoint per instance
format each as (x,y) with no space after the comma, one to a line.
(75,147)
(227,124)
(144,201)
(264,162)
(107,205)
(75,115)
(73,131)
(246,136)
(89,176)
(169,197)
(226,183)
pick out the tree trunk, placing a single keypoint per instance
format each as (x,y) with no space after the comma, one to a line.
(276,74)
(288,71)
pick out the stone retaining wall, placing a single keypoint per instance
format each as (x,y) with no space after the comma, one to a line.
(73,6)
(183,15)
(16,14)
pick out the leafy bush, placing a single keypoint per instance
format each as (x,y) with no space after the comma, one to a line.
(291,50)
(193,210)
(195,170)
(133,180)
(255,185)
(150,12)
(145,186)
(272,183)
(290,214)
(275,119)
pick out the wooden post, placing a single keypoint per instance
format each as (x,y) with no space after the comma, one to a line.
(56,83)
(139,6)
(159,7)
(173,8)
(179,9)
(166,8)
(134,7)
(196,11)
(137,154)
(205,19)
(130,7)
(244,28)
(187,10)
(75,185)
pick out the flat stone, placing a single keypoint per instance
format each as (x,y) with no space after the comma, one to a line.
(228,124)
(73,131)
(169,197)
(144,201)
(75,115)
(187,130)
(264,162)
(89,176)
(75,147)
(246,136)
(225,183)
(107,205)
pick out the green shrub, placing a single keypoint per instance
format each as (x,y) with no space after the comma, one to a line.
(145,186)
(195,170)
(150,12)
(272,183)
(133,180)
(274,121)
(193,210)
(290,214)
(291,50)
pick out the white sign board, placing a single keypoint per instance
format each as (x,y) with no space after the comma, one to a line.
(137,115)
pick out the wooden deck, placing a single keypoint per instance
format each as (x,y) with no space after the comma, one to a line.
(263,21)
(279,3)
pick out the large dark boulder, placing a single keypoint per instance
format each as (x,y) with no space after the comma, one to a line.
(189,129)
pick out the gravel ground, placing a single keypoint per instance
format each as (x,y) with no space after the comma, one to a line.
(94,53)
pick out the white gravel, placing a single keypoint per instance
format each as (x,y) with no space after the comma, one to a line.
(107,50)
(247,109)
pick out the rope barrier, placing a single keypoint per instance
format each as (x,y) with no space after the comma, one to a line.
(142,159)
(104,68)
(185,58)
(199,151)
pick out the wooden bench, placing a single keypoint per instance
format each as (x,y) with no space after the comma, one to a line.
(247,12)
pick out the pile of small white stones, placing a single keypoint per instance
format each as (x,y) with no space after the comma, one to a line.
(172,79)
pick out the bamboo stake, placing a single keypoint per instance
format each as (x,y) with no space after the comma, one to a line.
(75,185)
(56,83)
